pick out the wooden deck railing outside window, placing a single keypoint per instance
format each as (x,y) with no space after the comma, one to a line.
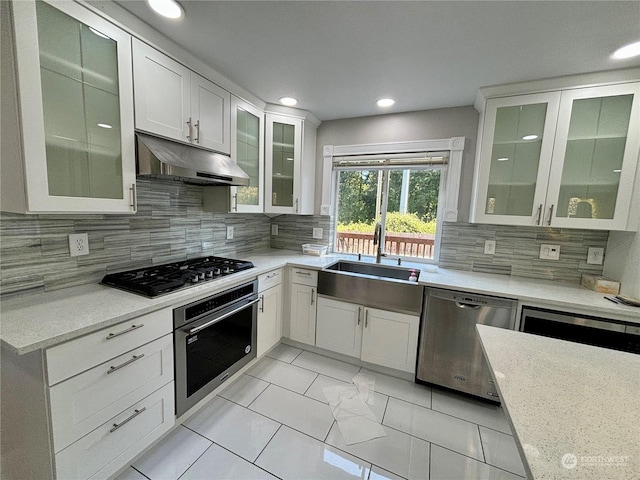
(420,245)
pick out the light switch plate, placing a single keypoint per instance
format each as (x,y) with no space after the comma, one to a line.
(78,244)
(274,229)
(317,233)
(595,255)
(229,233)
(489,247)
(549,252)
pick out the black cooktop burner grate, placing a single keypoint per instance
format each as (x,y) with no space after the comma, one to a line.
(161,279)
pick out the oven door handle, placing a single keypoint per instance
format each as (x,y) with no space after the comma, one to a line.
(222,317)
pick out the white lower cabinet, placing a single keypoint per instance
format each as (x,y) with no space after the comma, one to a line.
(86,401)
(269,311)
(107,448)
(376,336)
(303,314)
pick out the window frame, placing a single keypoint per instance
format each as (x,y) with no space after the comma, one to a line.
(449,181)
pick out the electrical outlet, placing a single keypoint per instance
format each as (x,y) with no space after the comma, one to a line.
(78,244)
(595,256)
(317,233)
(489,247)
(229,233)
(274,229)
(325,209)
(549,252)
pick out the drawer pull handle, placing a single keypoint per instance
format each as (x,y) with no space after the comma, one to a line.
(272,275)
(135,413)
(133,327)
(303,273)
(133,359)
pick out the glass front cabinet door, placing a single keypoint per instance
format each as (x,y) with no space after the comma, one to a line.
(515,158)
(76,103)
(247,148)
(595,157)
(283,163)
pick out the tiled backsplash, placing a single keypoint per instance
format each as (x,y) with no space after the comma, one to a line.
(518,250)
(296,230)
(170,225)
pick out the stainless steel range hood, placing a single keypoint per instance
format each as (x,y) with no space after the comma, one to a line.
(160,158)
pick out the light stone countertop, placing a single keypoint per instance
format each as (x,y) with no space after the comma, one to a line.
(32,322)
(574,409)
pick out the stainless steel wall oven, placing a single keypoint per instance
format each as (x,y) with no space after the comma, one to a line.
(214,337)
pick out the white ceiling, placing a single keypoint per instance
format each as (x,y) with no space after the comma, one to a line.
(337,58)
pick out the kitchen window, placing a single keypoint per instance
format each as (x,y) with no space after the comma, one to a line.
(400,194)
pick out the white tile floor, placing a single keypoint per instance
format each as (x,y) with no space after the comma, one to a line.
(274,422)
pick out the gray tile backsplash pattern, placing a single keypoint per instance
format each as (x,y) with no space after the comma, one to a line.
(170,225)
(518,249)
(296,230)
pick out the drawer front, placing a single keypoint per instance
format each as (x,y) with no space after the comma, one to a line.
(268,280)
(71,358)
(109,447)
(86,401)
(304,276)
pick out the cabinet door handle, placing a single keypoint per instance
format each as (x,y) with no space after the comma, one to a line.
(197,139)
(539,215)
(133,359)
(262,303)
(134,198)
(131,329)
(189,130)
(235,202)
(296,205)
(550,214)
(313,292)
(136,412)
(366,318)
(359,315)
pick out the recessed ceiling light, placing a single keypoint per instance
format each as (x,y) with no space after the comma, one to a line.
(628,51)
(503,159)
(530,137)
(167,8)
(288,101)
(385,102)
(104,125)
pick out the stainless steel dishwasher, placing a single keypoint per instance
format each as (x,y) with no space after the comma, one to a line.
(449,352)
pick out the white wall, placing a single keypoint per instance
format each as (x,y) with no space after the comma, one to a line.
(421,125)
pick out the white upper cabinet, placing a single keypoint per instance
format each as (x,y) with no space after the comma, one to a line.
(174,102)
(562,159)
(515,157)
(289,164)
(247,148)
(75,102)
(595,157)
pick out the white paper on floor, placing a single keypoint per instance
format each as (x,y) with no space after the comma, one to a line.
(366,386)
(355,420)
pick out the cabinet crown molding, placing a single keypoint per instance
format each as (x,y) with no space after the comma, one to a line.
(582,80)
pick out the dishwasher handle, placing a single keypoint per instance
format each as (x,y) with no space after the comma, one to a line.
(470,306)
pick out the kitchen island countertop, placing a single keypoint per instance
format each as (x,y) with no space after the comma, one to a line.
(574,409)
(32,322)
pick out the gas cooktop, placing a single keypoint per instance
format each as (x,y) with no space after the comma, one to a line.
(161,279)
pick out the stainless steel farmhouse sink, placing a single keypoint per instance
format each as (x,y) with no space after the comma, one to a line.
(374,269)
(373,285)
